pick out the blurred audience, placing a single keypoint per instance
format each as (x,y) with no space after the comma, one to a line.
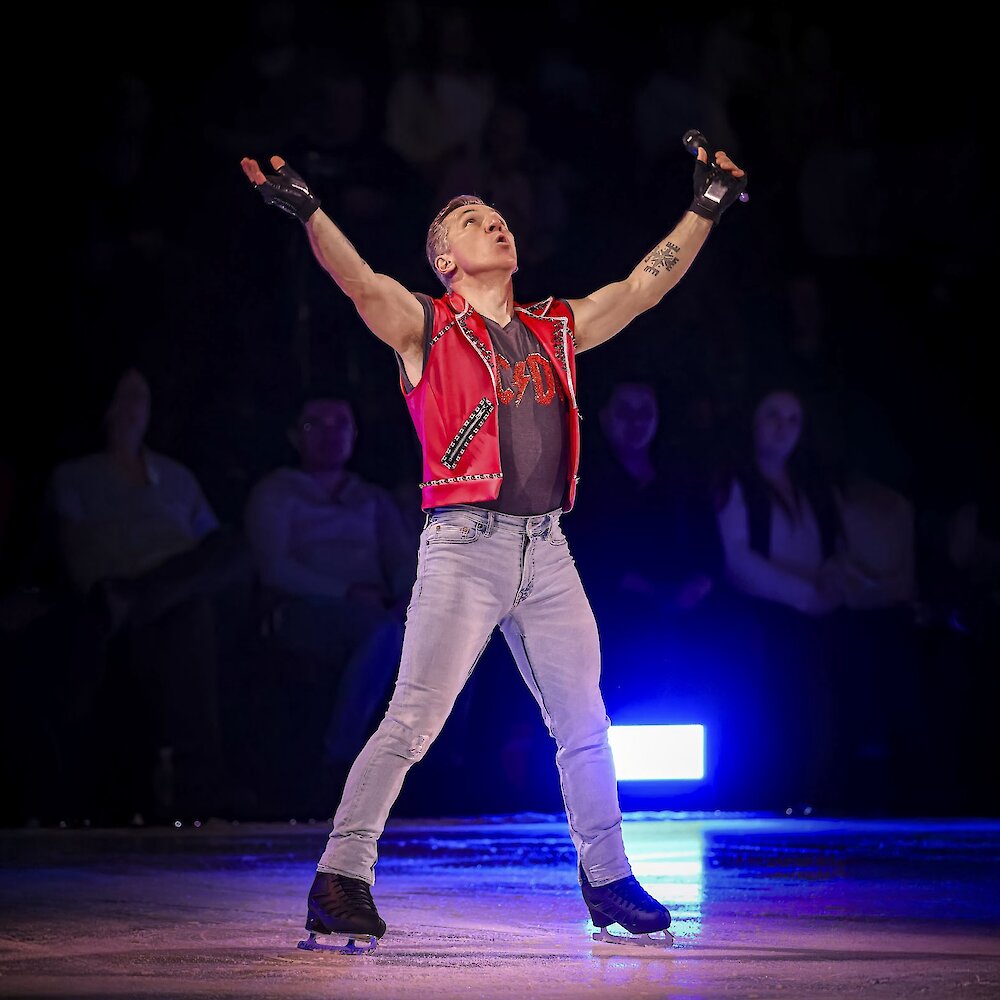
(365,184)
(668,568)
(510,172)
(648,552)
(336,564)
(809,589)
(974,552)
(256,94)
(880,712)
(440,109)
(876,568)
(779,521)
(140,542)
(781,531)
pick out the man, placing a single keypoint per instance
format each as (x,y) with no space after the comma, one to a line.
(490,386)
(336,562)
(652,575)
(139,539)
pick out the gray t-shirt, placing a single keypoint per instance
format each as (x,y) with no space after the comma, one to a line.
(110,527)
(533,419)
(309,543)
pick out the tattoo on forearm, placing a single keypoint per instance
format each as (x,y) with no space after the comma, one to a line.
(662,259)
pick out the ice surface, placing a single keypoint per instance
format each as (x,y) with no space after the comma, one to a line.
(489,908)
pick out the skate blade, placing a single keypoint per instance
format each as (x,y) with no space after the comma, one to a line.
(314,944)
(655,939)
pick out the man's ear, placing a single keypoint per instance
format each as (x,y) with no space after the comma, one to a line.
(443,264)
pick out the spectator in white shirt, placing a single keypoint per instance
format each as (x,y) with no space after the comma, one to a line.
(336,563)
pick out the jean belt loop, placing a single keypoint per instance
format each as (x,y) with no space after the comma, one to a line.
(491,520)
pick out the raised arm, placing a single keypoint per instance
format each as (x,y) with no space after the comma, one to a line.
(610,309)
(391,312)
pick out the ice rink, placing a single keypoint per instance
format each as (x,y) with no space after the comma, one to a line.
(763,907)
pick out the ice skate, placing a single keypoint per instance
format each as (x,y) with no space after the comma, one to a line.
(342,907)
(628,905)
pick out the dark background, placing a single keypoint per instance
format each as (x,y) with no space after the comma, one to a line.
(860,263)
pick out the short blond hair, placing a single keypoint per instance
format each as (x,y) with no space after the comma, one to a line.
(437,234)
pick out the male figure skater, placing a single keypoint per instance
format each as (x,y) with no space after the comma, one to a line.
(491,389)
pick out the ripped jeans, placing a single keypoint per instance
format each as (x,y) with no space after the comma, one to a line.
(476,569)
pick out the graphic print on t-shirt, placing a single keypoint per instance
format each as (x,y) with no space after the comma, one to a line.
(535,370)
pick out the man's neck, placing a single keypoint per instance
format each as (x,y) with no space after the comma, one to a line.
(125,449)
(489,296)
(127,457)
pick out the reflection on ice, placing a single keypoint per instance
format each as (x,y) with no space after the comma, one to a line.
(669,860)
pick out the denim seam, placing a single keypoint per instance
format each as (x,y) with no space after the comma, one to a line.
(422,562)
(570,818)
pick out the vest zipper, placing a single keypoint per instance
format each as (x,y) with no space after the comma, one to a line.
(473,424)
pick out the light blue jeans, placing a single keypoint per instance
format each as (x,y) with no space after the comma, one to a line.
(476,569)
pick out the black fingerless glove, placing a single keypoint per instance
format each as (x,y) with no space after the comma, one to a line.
(290,193)
(715,190)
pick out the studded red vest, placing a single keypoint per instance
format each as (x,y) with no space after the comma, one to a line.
(454,405)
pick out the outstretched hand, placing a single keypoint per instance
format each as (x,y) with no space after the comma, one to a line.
(252,169)
(285,188)
(721,160)
(717,184)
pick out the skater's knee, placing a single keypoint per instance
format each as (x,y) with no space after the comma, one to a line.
(409,742)
(580,735)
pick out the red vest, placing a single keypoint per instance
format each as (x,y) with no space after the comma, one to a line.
(454,405)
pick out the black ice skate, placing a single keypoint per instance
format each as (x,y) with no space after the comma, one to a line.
(627,904)
(342,906)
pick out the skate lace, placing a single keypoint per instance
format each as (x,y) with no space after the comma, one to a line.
(632,895)
(356,891)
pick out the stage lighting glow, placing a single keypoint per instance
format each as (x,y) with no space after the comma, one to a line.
(658,753)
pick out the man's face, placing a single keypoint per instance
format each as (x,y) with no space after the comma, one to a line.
(631,418)
(324,436)
(128,412)
(478,241)
(777,425)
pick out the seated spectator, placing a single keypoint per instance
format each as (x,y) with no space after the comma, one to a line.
(336,563)
(779,522)
(781,530)
(825,547)
(138,538)
(669,568)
